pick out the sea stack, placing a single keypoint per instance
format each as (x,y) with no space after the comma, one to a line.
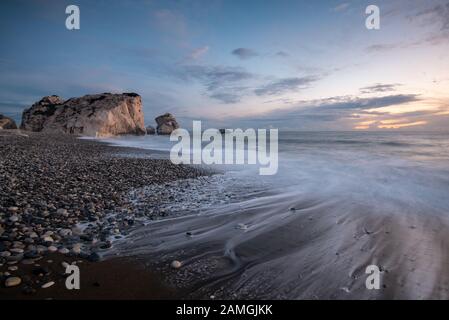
(166,124)
(99,115)
(7,123)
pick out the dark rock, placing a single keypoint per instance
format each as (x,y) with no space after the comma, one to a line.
(166,124)
(7,123)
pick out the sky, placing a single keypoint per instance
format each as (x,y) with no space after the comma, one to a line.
(301,65)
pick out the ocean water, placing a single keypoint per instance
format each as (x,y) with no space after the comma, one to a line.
(339,202)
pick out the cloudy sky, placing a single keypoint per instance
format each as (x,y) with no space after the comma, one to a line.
(306,65)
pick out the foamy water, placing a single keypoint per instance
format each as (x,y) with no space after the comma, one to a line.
(339,202)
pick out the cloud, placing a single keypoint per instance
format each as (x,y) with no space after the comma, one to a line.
(244,53)
(171,22)
(436,14)
(341,7)
(214,77)
(333,113)
(198,53)
(226,97)
(380,88)
(282,54)
(285,85)
(381,47)
(220,82)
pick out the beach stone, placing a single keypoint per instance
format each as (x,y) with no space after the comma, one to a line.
(176,264)
(12,282)
(94,257)
(242,226)
(63,212)
(14,218)
(76,248)
(52,249)
(13,209)
(64,251)
(28,290)
(13,268)
(65,232)
(48,239)
(5,254)
(16,250)
(47,285)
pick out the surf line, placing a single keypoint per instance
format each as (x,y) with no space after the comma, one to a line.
(228,144)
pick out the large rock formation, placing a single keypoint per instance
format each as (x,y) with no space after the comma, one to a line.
(7,123)
(92,115)
(166,124)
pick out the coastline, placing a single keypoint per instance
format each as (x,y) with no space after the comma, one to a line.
(65,199)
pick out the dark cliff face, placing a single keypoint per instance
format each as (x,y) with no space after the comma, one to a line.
(92,115)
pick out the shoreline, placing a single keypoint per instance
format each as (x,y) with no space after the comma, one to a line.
(65,199)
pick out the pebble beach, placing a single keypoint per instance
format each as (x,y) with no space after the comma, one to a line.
(65,200)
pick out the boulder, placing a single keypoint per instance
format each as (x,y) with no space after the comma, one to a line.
(99,115)
(166,124)
(151,130)
(7,123)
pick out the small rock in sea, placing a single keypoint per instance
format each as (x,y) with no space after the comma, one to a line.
(64,251)
(176,264)
(189,234)
(12,282)
(52,249)
(242,226)
(47,285)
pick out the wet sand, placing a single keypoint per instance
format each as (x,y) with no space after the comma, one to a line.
(309,252)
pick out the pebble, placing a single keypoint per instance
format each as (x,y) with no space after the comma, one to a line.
(48,239)
(76,248)
(176,264)
(16,250)
(12,282)
(13,209)
(242,226)
(5,254)
(52,249)
(47,285)
(14,218)
(63,250)
(13,268)
(62,212)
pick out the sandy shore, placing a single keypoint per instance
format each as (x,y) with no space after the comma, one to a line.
(63,199)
